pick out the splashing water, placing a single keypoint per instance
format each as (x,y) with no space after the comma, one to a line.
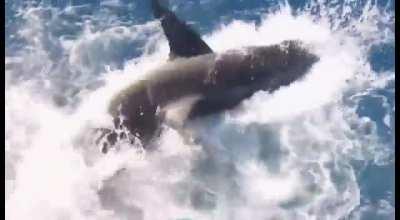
(313,150)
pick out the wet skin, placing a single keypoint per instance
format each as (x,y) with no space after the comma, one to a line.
(212,82)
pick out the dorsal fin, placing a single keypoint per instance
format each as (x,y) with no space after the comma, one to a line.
(183,40)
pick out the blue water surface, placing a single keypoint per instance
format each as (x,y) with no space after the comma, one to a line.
(376,181)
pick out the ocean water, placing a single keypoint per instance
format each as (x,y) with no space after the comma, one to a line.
(321,148)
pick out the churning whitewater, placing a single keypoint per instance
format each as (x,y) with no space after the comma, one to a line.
(310,150)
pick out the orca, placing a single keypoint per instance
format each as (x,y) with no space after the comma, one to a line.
(197,82)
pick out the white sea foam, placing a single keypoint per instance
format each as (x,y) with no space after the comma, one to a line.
(285,155)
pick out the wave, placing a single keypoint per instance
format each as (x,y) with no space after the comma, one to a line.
(301,152)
